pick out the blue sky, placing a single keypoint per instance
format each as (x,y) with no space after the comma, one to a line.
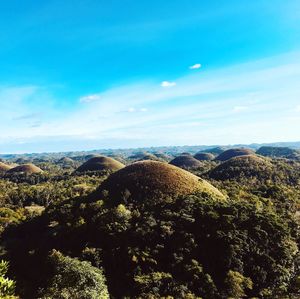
(92,74)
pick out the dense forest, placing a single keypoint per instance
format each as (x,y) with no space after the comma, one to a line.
(183,223)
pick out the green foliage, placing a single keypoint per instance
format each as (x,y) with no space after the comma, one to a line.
(74,279)
(191,246)
(155,246)
(236,284)
(7,286)
(9,216)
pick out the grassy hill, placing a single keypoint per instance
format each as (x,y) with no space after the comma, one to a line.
(186,161)
(25,168)
(100,163)
(281,152)
(149,180)
(234,152)
(243,168)
(204,156)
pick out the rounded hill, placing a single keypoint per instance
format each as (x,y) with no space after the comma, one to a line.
(204,156)
(163,156)
(234,152)
(279,152)
(242,167)
(100,163)
(25,168)
(152,179)
(66,161)
(186,162)
(4,167)
(22,160)
(215,150)
(137,155)
(149,156)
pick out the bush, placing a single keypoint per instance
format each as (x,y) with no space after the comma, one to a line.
(7,286)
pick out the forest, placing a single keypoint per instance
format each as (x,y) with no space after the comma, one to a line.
(169,223)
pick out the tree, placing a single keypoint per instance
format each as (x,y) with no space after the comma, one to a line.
(236,284)
(74,279)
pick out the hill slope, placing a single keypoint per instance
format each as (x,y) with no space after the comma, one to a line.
(100,163)
(234,152)
(149,179)
(242,167)
(186,161)
(25,168)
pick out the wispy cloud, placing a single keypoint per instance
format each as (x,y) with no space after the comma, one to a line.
(205,108)
(27,116)
(133,109)
(90,98)
(167,84)
(195,66)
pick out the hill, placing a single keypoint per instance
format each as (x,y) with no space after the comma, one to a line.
(25,168)
(215,150)
(66,161)
(149,179)
(186,161)
(100,163)
(234,152)
(4,167)
(242,168)
(204,156)
(281,152)
(151,157)
(163,156)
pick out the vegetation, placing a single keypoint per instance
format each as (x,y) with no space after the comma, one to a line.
(227,229)
(7,286)
(74,279)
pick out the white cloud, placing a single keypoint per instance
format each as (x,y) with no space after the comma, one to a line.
(201,105)
(195,66)
(238,109)
(131,109)
(90,98)
(167,84)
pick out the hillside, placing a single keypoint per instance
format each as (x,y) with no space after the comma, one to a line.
(153,229)
(186,161)
(25,168)
(4,167)
(204,156)
(150,179)
(100,163)
(243,168)
(280,152)
(234,152)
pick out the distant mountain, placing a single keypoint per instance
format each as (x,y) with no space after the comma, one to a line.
(168,150)
(282,152)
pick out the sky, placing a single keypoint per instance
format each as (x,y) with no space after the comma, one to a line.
(94,74)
